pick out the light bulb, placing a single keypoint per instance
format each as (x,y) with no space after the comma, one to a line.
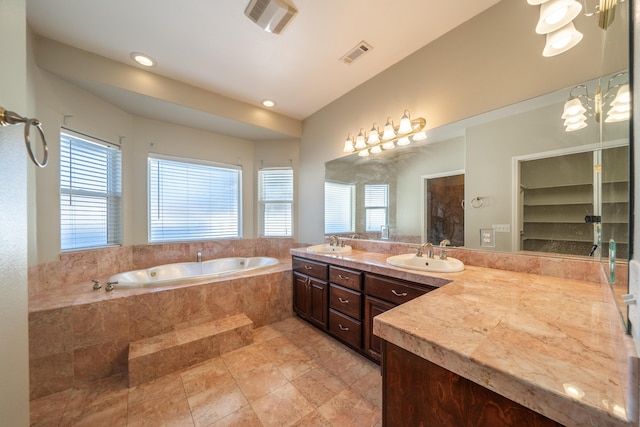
(389,131)
(360,140)
(405,124)
(348,145)
(374,135)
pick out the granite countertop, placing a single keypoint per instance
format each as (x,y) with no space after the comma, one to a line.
(548,343)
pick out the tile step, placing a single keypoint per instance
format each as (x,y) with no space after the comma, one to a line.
(153,357)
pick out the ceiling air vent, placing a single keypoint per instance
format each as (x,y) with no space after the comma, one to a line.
(355,53)
(271,15)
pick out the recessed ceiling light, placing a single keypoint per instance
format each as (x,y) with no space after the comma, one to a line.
(268,103)
(143,59)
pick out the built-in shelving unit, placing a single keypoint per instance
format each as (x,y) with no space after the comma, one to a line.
(559,192)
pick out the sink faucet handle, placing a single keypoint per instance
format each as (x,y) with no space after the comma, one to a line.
(96,284)
(443,254)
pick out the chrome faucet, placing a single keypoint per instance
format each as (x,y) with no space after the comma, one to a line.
(199,257)
(425,246)
(443,251)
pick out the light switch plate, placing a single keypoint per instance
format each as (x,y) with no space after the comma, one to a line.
(502,228)
(487,238)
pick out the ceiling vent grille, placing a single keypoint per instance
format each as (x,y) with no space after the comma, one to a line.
(271,15)
(355,53)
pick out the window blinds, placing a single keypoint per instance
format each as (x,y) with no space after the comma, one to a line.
(193,200)
(275,195)
(339,207)
(90,193)
(376,202)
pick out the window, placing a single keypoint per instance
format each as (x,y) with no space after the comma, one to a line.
(193,200)
(376,204)
(90,193)
(275,197)
(339,207)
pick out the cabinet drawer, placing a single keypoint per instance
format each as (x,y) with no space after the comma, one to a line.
(345,328)
(347,278)
(392,290)
(310,268)
(345,301)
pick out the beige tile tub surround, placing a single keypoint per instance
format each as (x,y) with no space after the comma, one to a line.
(522,335)
(78,335)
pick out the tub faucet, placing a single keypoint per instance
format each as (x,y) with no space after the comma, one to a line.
(199,257)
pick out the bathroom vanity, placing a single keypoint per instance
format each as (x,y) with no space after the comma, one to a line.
(343,301)
(501,347)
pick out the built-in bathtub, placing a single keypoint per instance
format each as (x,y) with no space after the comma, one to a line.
(186,272)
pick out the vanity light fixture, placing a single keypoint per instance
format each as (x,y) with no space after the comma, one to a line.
(392,135)
(143,59)
(556,22)
(580,104)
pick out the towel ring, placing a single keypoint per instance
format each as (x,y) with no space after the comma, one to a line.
(11,118)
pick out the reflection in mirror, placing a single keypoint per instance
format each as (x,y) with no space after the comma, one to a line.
(491,149)
(444,208)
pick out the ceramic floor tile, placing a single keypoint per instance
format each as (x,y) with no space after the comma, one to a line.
(319,385)
(244,417)
(282,407)
(349,409)
(292,375)
(244,359)
(214,404)
(260,381)
(48,410)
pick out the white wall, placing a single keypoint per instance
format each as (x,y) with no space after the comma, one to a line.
(14,92)
(488,62)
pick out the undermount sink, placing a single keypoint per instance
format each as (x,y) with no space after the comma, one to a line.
(328,249)
(422,263)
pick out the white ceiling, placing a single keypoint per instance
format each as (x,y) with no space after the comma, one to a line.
(211,44)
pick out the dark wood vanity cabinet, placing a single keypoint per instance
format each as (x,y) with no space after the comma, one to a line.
(345,305)
(417,392)
(311,291)
(382,294)
(344,301)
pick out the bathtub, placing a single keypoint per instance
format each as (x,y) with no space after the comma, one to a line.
(185,272)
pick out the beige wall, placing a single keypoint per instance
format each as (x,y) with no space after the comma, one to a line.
(59,102)
(490,61)
(15,90)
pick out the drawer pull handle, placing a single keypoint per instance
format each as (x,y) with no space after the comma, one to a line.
(308,267)
(342,328)
(343,277)
(403,294)
(344,301)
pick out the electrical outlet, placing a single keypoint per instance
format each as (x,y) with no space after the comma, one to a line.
(487,238)
(501,228)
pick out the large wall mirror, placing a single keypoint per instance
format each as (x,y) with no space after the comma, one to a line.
(528,182)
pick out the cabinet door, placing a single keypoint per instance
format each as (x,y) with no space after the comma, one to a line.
(301,299)
(319,302)
(373,307)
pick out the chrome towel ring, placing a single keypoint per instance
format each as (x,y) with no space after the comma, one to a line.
(11,118)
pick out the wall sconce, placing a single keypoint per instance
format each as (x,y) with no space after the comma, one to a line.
(580,104)
(556,22)
(391,135)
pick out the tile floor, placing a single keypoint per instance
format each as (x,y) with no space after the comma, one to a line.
(292,375)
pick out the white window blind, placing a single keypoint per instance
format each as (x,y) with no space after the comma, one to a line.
(193,200)
(275,196)
(376,203)
(90,193)
(339,207)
